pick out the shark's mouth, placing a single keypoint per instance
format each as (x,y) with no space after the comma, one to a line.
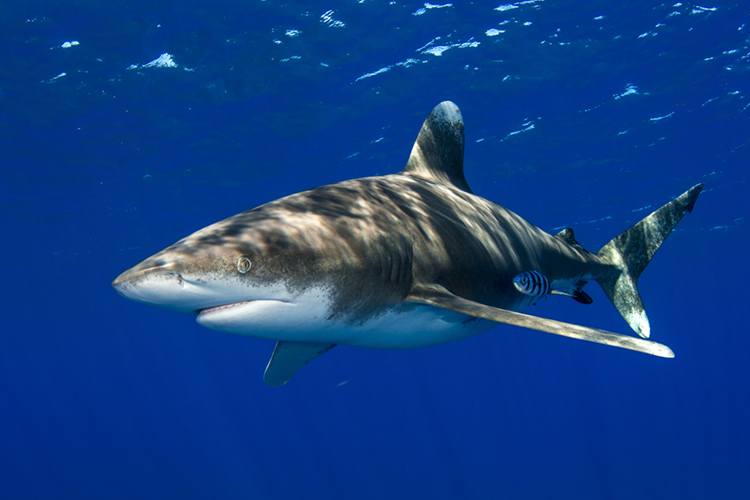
(207,310)
(248,317)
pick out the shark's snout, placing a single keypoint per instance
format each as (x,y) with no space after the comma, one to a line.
(156,286)
(166,282)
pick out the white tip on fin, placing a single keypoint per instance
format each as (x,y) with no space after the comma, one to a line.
(438,153)
(638,320)
(438,296)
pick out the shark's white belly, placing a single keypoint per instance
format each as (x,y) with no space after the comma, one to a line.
(307,319)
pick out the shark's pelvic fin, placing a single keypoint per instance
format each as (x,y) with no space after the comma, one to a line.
(582,297)
(630,253)
(288,357)
(438,296)
(438,153)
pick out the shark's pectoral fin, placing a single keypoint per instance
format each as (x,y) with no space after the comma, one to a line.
(438,296)
(288,357)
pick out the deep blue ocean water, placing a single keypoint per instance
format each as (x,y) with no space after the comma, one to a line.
(125,126)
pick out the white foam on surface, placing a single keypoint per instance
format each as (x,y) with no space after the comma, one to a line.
(328,20)
(630,89)
(700,10)
(57,77)
(428,6)
(163,61)
(664,117)
(440,49)
(436,51)
(526,127)
(403,64)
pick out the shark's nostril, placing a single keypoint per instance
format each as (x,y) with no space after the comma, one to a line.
(154,285)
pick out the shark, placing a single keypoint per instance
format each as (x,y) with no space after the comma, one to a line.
(401,261)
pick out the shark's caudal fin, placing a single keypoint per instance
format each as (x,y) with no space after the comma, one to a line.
(631,252)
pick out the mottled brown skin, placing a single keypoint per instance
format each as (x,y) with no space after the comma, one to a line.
(378,245)
(369,240)
(372,238)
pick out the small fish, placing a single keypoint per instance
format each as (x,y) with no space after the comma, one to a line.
(532,283)
(536,284)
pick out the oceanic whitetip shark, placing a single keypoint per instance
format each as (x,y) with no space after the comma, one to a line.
(400,261)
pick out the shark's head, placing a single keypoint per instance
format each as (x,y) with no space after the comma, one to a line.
(236,274)
(191,276)
(270,267)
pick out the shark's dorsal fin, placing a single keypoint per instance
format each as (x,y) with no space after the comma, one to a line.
(438,153)
(438,296)
(568,236)
(288,357)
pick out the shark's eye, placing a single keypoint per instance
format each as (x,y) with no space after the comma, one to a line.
(244,264)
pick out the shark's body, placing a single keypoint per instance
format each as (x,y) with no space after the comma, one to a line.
(400,261)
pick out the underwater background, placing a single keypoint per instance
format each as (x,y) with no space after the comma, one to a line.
(125,126)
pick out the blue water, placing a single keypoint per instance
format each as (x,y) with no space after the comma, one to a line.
(157,118)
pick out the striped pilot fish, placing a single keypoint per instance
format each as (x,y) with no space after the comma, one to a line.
(532,283)
(535,284)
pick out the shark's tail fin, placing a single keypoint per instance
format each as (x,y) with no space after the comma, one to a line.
(631,252)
